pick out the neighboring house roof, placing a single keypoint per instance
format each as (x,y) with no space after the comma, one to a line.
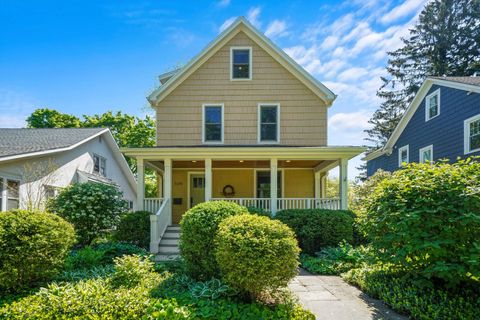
(27,143)
(469,84)
(176,77)
(22,142)
(93,177)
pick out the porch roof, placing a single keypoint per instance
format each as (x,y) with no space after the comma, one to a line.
(245,152)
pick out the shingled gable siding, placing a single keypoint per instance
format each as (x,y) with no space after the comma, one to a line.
(445,132)
(303,115)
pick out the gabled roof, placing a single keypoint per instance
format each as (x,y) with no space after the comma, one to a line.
(469,84)
(22,142)
(27,143)
(241,24)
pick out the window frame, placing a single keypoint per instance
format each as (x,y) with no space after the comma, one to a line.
(250,64)
(100,159)
(466,134)
(406,147)
(422,150)
(259,122)
(222,106)
(427,105)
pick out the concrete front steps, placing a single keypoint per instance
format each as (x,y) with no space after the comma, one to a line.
(168,248)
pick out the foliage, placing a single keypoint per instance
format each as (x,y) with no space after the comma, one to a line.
(93,208)
(99,271)
(362,190)
(444,41)
(425,219)
(131,270)
(199,226)
(48,118)
(86,299)
(410,295)
(33,246)
(256,253)
(259,211)
(100,255)
(337,260)
(134,227)
(318,228)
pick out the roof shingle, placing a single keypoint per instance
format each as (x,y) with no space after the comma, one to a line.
(475,81)
(23,141)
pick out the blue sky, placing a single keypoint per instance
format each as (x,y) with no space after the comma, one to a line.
(86,57)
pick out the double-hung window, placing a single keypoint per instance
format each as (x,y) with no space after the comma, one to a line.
(432,105)
(240,63)
(9,194)
(426,154)
(403,155)
(213,123)
(268,123)
(472,134)
(100,165)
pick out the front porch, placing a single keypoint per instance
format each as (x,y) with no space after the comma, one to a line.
(267,178)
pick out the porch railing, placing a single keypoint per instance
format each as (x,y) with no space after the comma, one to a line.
(152,204)
(159,223)
(287,203)
(262,203)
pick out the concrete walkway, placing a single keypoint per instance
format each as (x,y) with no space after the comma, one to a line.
(331,298)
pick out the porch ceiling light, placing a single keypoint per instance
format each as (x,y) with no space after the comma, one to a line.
(240,161)
(194,160)
(288,161)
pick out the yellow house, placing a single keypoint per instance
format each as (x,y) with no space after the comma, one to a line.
(241,122)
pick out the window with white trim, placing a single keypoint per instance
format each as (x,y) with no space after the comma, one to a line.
(432,105)
(472,134)
(426,154)
(213,123)
(240,63)
(100,165)
(268,123)
(403,155)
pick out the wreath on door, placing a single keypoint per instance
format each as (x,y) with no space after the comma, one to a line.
(228,191)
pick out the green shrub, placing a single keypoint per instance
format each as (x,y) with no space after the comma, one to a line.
(414,296)
(259,211)
(131,270)
(33,247)
(256,253)
(94,209)
(199,226)
(425,220)
(318,228)
(134,227)
(363,190)
(84,258)
(112,250)
(336,260)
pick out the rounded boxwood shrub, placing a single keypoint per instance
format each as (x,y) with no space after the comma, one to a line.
(134,227)
(94,209)
(33,247)
(319,228)
(256,253)
(425,220)
(198,228)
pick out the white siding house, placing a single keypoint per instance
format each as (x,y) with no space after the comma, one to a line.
(36,163)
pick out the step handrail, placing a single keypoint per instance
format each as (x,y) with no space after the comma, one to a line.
(158,224)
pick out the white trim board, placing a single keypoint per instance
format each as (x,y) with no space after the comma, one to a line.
(412,108)
(241,24)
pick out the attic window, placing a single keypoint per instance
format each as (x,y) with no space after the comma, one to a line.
(432,105)
(241,63)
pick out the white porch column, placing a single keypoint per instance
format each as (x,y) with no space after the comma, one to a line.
(317,185)
(167,185)
(160,185)
(140,183)
(208,179)
(273,185)
(343,185)
(323,185)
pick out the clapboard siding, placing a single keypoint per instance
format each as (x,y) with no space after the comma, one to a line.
(445,132)
(303,116)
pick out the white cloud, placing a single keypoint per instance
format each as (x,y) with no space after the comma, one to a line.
(253,16)
(352,74)
(276,28)
(406,8)
(12,121)
(223,3)
(329,42)
(226,23)
(350,121)
(14,108)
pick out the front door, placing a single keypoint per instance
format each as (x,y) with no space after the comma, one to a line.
(197,189)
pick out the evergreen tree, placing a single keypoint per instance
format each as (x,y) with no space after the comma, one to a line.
(444,42)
